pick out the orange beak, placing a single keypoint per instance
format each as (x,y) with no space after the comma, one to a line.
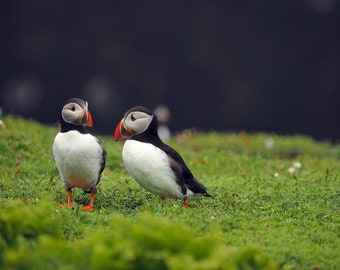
(88,120)
(118,132)
(121,133)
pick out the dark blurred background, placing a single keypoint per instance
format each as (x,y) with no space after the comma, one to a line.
(217,65)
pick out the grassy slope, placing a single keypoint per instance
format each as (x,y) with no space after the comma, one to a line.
(261,217)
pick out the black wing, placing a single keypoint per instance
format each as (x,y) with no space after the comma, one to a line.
(103,161)
(185,178)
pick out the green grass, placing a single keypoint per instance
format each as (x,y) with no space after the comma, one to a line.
(264,214)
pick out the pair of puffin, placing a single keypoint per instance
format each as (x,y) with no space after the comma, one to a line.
(158,168)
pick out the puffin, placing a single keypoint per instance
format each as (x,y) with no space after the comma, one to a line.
(154,165)
(80,157)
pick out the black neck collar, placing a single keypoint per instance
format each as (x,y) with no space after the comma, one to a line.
(65,127)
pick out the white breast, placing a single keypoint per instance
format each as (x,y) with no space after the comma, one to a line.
(149,166)
(78,158)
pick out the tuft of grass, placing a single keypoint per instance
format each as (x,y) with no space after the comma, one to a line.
(276,205)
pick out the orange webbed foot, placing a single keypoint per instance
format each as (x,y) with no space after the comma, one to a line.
(69,200)
(185,203)
(88,208)
(66,205)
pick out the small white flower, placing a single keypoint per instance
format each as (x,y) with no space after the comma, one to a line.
(276,175)
(291,170)
(297,164)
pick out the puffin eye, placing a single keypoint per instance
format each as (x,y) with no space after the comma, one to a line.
(73,108)
(132,117)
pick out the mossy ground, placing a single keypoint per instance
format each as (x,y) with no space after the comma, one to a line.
(276,206)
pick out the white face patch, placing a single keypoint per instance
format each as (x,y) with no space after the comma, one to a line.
(72,113)
(137,121)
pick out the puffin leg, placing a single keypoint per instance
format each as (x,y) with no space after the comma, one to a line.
(89,207)
(69,200)
(185,203)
